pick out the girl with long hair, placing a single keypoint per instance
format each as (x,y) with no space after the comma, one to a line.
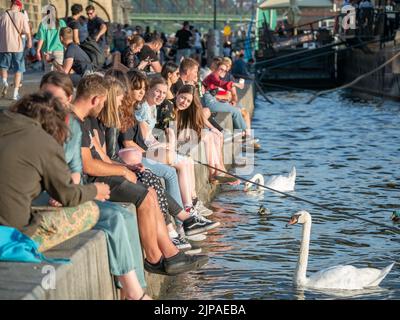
(165,151)
(190,120)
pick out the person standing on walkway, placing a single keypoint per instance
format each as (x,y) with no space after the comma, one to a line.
(13,24)
(97,28)
(73,21)
(183,39)
(49,41)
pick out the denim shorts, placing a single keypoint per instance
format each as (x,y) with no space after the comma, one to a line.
(12,60)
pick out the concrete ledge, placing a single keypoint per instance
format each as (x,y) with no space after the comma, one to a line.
(88,277)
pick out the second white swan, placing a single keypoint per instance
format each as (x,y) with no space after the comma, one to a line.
(341,277)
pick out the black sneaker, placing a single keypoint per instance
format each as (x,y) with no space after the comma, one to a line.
(181,243)
(198,224)
(183,263)
(158,268)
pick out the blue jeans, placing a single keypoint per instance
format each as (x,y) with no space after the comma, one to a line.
(170,176)
(14,60)
(217,106)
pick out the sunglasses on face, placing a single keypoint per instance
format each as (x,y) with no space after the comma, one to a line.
(90,13)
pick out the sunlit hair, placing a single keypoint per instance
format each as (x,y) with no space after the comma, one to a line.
(90,86)
(136,40)
(136,80)
(215,62)
(221,63)
(58,79)
(66,33)
(227,61)
(47,110)
(120,75)
(192,117)
(156,80)
(110,115)
(187,64)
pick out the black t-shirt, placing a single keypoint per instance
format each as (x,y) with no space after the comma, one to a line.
(81,61)
(147,52)
(72,23)
(94,28)
(183,37)
(88,126)
(133,134)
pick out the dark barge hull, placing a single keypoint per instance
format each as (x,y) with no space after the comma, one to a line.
(300,68)
(384,83)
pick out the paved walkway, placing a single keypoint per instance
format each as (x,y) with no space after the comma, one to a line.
(30,84)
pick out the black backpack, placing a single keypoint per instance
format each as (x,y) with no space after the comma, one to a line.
(94,52)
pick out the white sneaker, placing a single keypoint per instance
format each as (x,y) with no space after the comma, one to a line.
(16,96)
(204,211)
(193,251)
(3,89)
(197,237)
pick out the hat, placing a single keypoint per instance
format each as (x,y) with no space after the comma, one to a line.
(17,3)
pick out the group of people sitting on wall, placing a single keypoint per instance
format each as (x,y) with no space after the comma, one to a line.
(91,149)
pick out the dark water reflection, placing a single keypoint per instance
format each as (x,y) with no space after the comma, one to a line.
(347,156)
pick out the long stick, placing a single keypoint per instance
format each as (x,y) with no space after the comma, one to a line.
(394,229)
(262,92)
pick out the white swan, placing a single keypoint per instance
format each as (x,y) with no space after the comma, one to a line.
(258,178)
(341,277)
(282,183)
(279,183)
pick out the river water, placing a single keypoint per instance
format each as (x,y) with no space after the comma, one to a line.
(347,156)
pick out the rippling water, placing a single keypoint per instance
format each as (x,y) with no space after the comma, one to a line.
(347,156)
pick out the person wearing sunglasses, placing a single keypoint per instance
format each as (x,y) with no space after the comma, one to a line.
(96,26)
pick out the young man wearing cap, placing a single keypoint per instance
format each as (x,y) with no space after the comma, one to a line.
(13,24)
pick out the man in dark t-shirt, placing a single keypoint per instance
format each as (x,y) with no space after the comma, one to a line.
(73,21)
(75,59)
(80,60)
(183,38)
(96,26)
(149,53)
